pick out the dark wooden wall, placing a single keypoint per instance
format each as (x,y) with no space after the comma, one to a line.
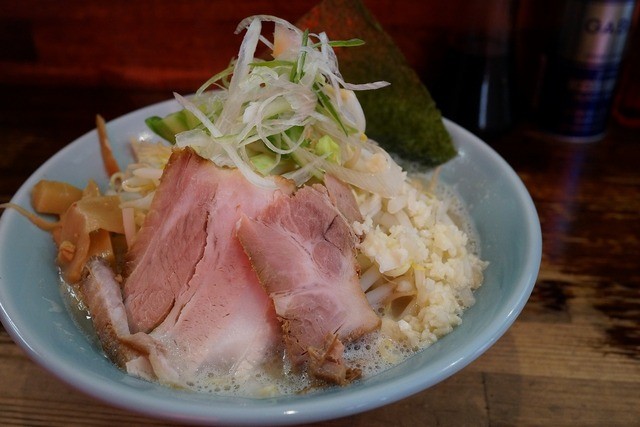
(160,43)
(177,44)
(164,44)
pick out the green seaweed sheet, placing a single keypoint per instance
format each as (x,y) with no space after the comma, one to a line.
(403,117)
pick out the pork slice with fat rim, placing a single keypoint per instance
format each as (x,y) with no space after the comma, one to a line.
(342,197)
(222,318)
(170,243)
(303,251)
(192,302)
(100,293)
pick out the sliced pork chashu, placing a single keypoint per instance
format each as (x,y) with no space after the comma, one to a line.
(171,241)
(222,317)
(303,251)
(193,303)
(101,294)
(342,197)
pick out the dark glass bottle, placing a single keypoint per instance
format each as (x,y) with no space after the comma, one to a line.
(626,108)
(476,88)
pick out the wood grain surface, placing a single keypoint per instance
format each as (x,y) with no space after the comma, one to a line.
(571,358)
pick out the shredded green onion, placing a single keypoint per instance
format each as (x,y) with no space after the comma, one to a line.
(264,115)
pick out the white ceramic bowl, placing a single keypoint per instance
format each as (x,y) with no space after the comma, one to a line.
(33,313)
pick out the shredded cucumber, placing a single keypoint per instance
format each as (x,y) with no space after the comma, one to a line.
(167,127)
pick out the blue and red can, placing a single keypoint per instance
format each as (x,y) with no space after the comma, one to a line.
(582,72)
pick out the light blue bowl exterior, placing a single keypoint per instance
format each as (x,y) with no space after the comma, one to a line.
(32,310)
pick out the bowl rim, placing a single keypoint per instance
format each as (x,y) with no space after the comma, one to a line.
(280,411)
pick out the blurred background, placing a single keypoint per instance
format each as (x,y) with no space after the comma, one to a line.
(176,45)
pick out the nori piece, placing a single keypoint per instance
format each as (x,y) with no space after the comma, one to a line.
(402,117)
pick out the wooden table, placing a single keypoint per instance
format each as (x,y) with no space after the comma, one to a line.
(572,357)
